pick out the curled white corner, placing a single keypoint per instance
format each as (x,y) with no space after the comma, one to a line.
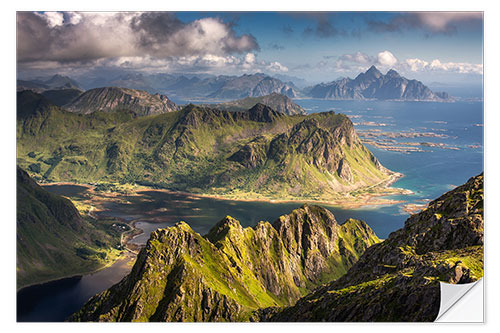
(467,302)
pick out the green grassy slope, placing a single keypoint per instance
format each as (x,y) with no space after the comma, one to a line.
(53,240)
(223,276)
(398,279)
(259,153)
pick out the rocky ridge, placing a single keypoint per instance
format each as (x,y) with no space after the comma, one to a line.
(398,279)
(374,85)
(110,99)
(199,150)
(223,276)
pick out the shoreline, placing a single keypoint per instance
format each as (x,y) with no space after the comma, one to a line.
(77,275)
(349,202)
(126,237)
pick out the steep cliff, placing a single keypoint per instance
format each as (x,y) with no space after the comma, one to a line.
(223,276)
(398,279)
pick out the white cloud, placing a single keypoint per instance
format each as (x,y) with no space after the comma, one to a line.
(53,19)
(386,59)
(90,36)
(442,21)
(418,65)
(194,64)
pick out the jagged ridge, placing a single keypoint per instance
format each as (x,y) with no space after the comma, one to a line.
(110,99)
(397,280)
(182,276)
(374,85)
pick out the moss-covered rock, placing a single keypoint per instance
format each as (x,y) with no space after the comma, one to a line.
(225,275)
(398,279)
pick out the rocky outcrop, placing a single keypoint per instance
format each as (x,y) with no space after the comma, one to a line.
(223,276)
(374,85)
(110,99)
(398,279)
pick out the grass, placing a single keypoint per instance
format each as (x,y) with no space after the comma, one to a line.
(189,150)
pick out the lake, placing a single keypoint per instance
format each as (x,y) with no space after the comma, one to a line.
(428,173)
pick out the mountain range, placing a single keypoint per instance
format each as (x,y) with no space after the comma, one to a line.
(277,272)
(110,99)
(374,85)
(256,153)
(194,87)
(370,85)
(56,82)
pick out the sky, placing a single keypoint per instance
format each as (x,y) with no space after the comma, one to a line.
(434,47)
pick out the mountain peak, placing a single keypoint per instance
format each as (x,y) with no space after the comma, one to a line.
(222,229)
(262,113)
(392,73)
(373,71)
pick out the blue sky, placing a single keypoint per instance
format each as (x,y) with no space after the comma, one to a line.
(317,46)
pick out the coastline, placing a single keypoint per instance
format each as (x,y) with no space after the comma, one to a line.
(123,256)
(348,202)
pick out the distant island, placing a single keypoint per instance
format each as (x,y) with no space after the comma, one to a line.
(372,84)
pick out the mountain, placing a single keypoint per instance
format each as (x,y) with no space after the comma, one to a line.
(53,240)
(374,85)
(59,81)
(62,97)
(292,80)
(398,279)
(224,275)
(56,82)
(110,99)
(259,153)
(252,85)
(275,101)
(189,87)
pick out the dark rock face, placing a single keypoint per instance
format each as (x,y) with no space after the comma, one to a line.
(182,276)
(251,155)
(398,279)
(56,82)
(374,85)
(110,99)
